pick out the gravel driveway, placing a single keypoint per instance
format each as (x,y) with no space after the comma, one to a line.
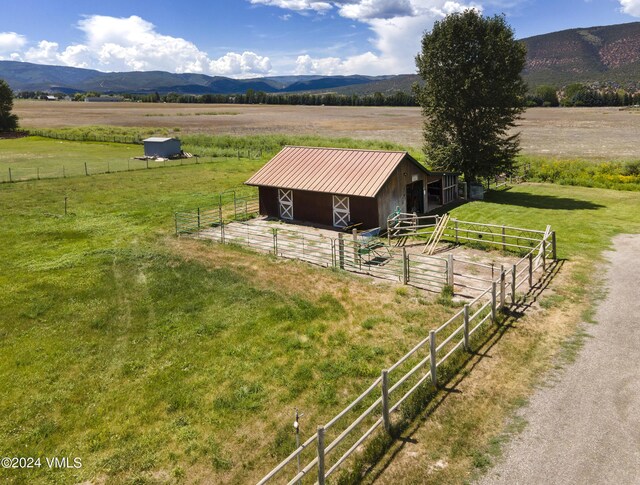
(585,427)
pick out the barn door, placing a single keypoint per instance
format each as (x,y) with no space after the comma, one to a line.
(285,199)
(340,211)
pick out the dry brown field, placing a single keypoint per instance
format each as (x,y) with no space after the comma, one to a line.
(596,133)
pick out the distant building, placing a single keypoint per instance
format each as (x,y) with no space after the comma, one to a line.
(51,98)
(161,147)
(103,99)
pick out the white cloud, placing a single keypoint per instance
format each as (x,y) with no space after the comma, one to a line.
(297,5)
(396,40)
(132,43)
(376,9)
(631,7)
(10,44)
(244,64)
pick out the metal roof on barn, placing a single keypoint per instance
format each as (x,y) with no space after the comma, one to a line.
(332,170)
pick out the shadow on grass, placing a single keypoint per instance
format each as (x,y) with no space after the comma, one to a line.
(403,432)
(536,201)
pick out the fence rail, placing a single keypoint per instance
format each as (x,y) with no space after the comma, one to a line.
(413,371)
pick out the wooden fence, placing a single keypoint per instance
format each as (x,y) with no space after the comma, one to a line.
(323,453)
(373,411)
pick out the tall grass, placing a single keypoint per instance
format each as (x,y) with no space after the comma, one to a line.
(208,145)
(618,175)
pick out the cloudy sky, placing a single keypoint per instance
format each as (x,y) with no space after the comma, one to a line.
(248,38)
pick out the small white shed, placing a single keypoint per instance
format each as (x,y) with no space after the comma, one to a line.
(161,147)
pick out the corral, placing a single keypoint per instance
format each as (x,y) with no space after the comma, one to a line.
(484,293)
(397,256)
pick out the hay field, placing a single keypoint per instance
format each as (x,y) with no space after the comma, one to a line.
(594,133)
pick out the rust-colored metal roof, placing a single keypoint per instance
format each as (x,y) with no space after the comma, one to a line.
(333,170)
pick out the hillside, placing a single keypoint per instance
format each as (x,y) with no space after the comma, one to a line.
(606,54)
(595,54)
(24,76)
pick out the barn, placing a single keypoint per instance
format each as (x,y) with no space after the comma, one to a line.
(344,187)
(161,147)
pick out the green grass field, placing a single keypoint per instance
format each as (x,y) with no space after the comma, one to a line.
(157,360)
(142,354)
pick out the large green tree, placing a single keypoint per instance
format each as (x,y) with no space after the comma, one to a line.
(8,121)
(472,94)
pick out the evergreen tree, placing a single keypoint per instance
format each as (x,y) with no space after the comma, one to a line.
(8,120)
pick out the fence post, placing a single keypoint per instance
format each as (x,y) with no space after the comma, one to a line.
(198,218)
(456,222)
(333,252)
(10,179)
(466,327)
(385,401)
(450,270)
(275,241)
(356,255)
(544,255)
(86,172)
(493,301)
(65,206)
(503,278)
(504,239)
(553,245)
(513,283)
(530,270)
(341,250)
(220,213)
(433,358)
(321,455)
(405,267)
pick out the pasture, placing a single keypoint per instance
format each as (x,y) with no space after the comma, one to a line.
(593,133)
(158,360)
(164,360)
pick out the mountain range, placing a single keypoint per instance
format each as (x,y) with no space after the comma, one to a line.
(595,54)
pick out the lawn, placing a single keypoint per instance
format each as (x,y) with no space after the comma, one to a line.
(82,151)
(152,358)
(157,360)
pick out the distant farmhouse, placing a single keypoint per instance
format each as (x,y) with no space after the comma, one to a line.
(343,187)
(158,147)
(103,99)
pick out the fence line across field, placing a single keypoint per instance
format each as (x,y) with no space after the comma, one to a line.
(22,174)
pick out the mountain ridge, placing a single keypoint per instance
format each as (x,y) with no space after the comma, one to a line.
(601,54)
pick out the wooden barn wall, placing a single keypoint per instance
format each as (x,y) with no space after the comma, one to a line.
(317,207)
(394,192)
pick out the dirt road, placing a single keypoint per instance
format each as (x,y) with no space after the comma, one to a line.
(585,427)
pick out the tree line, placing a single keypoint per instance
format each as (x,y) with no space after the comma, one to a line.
(579,94)
(398,98)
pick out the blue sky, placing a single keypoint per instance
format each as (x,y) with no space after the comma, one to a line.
(248,38)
